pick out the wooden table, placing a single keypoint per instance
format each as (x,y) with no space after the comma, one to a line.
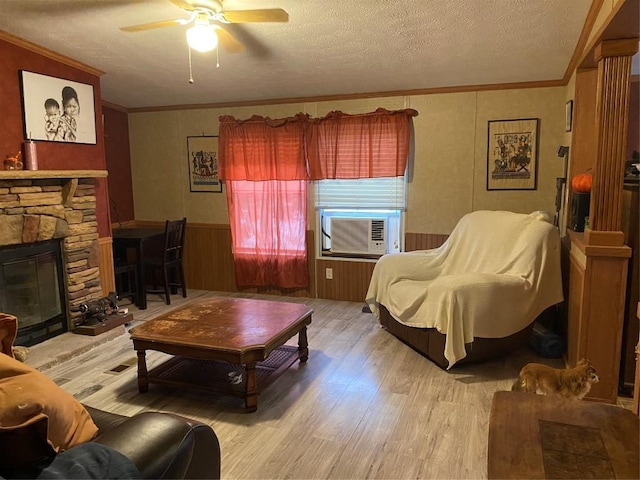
(225,335)
(138,239)
(538,436)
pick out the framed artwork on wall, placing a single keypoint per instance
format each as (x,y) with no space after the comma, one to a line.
(202,157)
(568,116)
(57,110)
(512,154)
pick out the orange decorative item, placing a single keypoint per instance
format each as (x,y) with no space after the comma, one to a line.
(582,182)
(13,162)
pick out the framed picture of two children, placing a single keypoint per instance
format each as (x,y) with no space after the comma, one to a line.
(57,110)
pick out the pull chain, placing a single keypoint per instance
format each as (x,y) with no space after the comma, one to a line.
(190,67)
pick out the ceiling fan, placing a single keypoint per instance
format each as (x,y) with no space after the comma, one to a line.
(208,18)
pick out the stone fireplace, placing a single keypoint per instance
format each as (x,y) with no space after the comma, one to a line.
(40,206)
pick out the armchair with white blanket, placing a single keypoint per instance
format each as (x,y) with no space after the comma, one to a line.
(493,276)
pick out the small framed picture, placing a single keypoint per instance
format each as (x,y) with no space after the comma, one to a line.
(57,110)
(568,116)
(202,157)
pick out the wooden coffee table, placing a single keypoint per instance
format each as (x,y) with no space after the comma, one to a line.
(213,338)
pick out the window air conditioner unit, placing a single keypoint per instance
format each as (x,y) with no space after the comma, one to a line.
(362,236)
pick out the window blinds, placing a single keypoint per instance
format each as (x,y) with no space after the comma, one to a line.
(362,193)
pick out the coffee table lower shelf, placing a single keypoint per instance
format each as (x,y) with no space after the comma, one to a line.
(212,376)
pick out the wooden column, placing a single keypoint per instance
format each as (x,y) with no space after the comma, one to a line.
(599,258)
(612,111)
(597,283)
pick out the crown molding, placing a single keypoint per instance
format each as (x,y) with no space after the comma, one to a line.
(355,96)
(7,37)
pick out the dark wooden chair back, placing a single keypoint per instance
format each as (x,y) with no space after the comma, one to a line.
(169,262)
(174,233)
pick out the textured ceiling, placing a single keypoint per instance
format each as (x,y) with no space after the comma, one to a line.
(328,47)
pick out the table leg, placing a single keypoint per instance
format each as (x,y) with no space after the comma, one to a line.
(142,284)
(143,375)
(303,345)
(251,402)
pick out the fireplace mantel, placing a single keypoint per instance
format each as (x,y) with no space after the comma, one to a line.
(72,178)
(35,174)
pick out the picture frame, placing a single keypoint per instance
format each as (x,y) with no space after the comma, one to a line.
(512,154)
(568,116)
(57,109)
(202,160)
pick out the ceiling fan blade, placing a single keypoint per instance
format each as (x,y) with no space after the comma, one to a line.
(229,42)
(183,5)
(256,16)
(151,25)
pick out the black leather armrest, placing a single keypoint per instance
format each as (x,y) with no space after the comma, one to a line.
(163,445)
(104,420)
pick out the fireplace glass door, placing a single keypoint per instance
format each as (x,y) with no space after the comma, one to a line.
(30,289)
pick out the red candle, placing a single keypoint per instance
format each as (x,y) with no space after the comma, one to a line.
(30,155)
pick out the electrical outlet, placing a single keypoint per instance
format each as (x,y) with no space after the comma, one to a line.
(329,273)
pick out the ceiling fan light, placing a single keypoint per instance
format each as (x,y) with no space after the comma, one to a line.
(202,37)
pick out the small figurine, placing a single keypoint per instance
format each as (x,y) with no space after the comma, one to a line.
(13,162)
(97,311)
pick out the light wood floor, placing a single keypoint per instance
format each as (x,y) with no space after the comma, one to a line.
(364,406)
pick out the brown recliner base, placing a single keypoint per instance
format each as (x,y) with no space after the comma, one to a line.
(430,343)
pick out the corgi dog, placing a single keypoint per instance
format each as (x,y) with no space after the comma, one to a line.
(569,382)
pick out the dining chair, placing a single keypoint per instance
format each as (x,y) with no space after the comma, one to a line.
(168,263)
(126,280)
(126,276)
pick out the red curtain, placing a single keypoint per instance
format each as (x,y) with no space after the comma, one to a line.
(268,229)
(369,145)
(262,161)
(262,149)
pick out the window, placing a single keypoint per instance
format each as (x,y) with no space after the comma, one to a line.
(360,217)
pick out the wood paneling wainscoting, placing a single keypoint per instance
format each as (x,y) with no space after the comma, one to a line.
(107,280)
(351,278)
(423,241)
(208,261)
(208,264)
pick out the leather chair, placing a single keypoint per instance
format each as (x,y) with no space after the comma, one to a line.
(168,262)
(161,445)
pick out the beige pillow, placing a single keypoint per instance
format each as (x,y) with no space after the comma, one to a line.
(28,401)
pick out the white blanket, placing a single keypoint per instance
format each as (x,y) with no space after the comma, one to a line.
(492,277)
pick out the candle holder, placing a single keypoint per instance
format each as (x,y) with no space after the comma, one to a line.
(30,155)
